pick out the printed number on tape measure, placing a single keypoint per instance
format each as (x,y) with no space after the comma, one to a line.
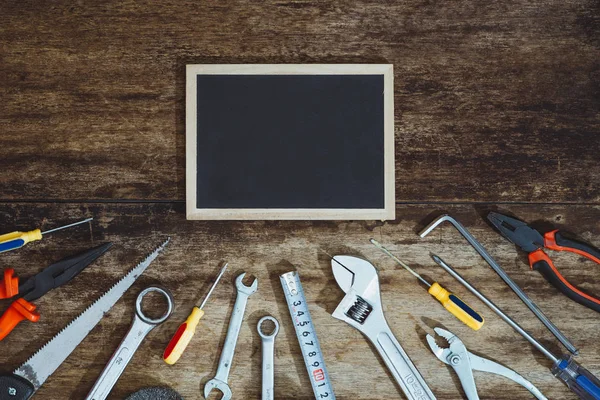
(307,336)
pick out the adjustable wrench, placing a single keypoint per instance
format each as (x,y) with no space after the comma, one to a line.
(219,382)
(268,355)
(361,308)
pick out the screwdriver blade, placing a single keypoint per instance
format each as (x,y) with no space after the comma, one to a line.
(213,286)
(67,226)
(406,267)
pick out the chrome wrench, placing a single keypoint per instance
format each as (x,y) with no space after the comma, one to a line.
(219,382)
(361,308)
(268,357)
(141,326)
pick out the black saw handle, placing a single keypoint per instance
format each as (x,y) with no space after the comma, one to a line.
(14,387)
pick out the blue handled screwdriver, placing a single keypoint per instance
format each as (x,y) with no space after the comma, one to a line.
(17,239)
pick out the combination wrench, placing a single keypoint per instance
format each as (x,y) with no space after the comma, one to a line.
(268,357)
(219,382)
(140,327)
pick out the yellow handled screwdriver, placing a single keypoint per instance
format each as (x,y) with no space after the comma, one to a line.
(17,239)
(186,331)
(452,303)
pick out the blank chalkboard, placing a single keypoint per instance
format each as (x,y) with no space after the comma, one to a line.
(289,142)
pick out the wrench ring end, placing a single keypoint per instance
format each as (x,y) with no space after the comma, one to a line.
(259,327)
(138,305)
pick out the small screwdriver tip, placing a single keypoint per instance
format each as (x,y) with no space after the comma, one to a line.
(60,228)
(377,244)
(326,253)
(213,286)
(333,258)
(436,258)
(223,270)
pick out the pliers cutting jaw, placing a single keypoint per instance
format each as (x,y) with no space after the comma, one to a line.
(464,363)
(59,273)
(517,232)
(532,241)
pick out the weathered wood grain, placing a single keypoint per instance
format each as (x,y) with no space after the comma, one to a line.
(267,249)
(495,101)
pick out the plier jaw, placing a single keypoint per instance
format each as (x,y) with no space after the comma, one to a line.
(517,232)
(456,355)
(38,285)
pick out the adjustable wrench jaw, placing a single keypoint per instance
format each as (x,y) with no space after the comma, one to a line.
(358,278)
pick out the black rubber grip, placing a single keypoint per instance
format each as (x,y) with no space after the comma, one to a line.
(544,268)
(575,244)
(14,387)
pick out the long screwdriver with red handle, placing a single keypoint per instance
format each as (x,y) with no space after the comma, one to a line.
(186,331)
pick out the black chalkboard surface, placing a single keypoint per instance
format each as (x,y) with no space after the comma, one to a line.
(290,142)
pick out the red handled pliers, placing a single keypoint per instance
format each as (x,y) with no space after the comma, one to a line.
(533,242)
(35,287)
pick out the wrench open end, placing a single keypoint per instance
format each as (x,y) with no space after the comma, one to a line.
(239,284)
(219,385)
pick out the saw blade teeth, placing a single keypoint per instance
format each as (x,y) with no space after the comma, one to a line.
(150,257)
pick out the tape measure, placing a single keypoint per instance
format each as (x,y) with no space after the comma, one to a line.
(307,336)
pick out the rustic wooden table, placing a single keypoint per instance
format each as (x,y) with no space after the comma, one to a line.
(497,105)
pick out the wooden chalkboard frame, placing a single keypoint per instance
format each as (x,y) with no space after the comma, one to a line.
(194,213)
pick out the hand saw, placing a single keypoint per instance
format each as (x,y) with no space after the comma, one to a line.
(29,377)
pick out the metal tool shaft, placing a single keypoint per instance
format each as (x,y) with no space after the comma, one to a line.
(495,308)
(140,327)
(219,382)
(268,357)
(507,279)
(60,228)
(402,264)
(213,286)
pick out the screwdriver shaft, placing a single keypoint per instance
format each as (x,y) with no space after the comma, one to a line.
(213,286)
(409,269)
(67,226)
(496,309)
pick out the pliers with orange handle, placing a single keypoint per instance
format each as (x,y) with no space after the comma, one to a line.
(533,242)
(35,287)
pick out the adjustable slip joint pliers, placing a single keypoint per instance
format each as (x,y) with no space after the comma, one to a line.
(464,363)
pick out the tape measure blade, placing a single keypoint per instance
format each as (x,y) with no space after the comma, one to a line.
(307,336)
